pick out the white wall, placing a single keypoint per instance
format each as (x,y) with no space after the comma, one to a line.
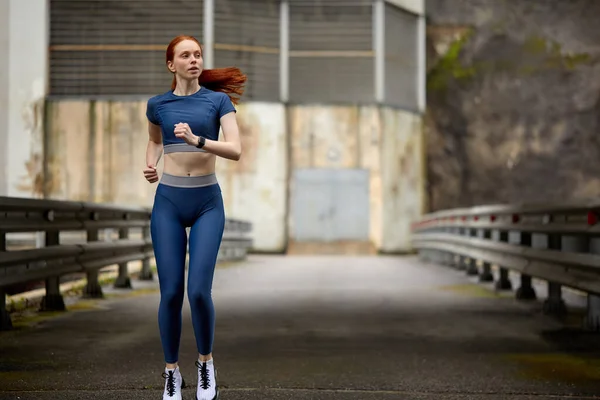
(23,71)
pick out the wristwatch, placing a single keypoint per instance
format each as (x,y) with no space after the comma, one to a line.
(201,141)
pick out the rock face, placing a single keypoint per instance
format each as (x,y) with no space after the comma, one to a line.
(513,101)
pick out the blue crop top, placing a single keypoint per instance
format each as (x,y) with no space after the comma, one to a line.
(202,111)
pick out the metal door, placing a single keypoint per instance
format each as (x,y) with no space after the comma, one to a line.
(330,205)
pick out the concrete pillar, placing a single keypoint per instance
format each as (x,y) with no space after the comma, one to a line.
(23,83)
(53,300)
(503,282)
(525,290)
(123,281)
(92,290)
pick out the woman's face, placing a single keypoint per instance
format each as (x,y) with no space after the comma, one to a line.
(187,62)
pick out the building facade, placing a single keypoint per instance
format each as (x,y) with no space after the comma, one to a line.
(331,120)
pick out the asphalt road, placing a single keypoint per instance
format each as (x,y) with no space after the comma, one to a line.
(327,327)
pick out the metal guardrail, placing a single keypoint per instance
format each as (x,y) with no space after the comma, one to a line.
(111,235)
(558,243)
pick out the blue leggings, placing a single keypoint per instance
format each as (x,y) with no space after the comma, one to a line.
(182,202)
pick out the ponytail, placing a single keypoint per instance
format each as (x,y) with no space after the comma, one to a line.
(228,80)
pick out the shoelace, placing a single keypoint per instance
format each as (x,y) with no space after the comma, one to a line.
(203,369)
(170,377)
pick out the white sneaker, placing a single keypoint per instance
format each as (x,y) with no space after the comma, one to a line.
(207,383)
(173,384)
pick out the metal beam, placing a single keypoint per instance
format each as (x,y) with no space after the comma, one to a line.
(209,34)
(284,56)
(379,48)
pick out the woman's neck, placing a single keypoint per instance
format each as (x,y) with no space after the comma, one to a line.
(185,87)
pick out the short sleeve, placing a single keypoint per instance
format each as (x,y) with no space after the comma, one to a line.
(225,105)
(151,111)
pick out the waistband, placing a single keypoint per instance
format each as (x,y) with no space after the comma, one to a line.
(188,181)
(181,148)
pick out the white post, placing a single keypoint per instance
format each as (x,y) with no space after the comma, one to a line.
(422,65)
(379,48)
(209,34)
(4,96)
(284,51)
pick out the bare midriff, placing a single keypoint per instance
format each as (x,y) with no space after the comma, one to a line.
(189,164)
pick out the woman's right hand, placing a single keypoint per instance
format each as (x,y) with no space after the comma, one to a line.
(150,174)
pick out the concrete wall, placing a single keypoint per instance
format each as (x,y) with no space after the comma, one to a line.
(385,141)
(96,152)
(255,187)
(23,45)
(402,177)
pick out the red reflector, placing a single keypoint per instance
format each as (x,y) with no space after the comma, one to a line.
(592,218)
(476,218)
(515,218)
(492,218)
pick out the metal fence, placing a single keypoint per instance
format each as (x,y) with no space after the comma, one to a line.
(57,257)
(297,51)
(556,243)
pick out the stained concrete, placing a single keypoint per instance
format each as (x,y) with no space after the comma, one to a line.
(325,327)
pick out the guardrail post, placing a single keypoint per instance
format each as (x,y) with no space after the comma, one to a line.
(53,300)
(92,290)
(146,273)
(486,271)
(123,281)
(461,262)
(554,303)
(503,282)
(592,320)
(5,322)
(471,262)
(453,258)
(525,290)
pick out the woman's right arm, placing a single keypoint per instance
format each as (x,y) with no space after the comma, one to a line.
(153,152)
(155,145)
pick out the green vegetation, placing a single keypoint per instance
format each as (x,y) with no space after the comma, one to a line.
(554,55)
(449,67)
(550,55)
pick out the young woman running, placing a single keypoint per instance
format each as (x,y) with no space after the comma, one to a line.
(184,123)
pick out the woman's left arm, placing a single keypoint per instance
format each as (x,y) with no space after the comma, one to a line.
(230,148)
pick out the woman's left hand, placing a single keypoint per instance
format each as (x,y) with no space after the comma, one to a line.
(183,131)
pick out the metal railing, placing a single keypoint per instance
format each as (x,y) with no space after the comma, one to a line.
(557,243)
(78,237)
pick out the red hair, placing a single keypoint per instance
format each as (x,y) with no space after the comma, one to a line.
(228,80)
